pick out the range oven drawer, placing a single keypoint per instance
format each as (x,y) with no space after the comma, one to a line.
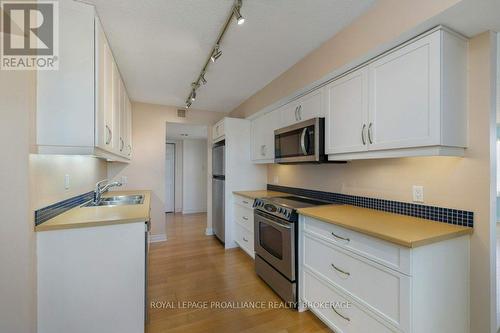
(285,289)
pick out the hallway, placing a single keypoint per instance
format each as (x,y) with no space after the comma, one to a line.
(192,267)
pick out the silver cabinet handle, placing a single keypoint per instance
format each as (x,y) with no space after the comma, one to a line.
(340,270)
(299,111)
(246,240)
(245,202)
(109,135)
(363,134)
(296,116)
(122,144)
(340,315)
(340,237)
(370,133)
(263,150)
(245,218)
(129,150)
(303,141)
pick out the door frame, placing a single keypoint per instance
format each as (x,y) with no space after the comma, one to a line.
(175,172)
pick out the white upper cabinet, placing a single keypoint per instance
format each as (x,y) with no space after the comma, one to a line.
(65,97)
(82,107)
(262,129)
(408,102)
(345,126)
(405,96)
(218,131)
(306,107)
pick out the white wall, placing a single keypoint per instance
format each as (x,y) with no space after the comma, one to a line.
(194,175)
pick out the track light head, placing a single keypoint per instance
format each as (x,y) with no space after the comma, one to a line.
(236,11)
(202,78)
(216,53)
(193,95)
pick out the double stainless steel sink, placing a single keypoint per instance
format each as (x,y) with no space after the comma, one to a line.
(118,200)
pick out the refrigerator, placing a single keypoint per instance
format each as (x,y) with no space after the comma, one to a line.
(218,190)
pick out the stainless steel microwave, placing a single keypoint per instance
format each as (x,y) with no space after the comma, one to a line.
(303,142)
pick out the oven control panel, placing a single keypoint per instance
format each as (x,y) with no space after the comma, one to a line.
(286,213)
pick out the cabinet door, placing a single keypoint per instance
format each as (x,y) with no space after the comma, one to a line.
(128,106)
(218,130)
(347,111)
(65,97)
(123,120)
(115,128)
(288,114)
(103,89)
(263,135)
(405,96)
(310,105)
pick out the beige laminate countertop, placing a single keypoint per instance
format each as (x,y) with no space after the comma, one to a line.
(399,229)
(83,217)
(260,194)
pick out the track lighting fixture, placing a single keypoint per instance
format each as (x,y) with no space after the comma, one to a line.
(216,52)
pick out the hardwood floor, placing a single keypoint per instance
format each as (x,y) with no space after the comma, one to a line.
(192,267)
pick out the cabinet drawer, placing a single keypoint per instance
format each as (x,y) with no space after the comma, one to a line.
(385,253)
(381,289)
(337,311)
(245,239)
(244,201)
(244,217)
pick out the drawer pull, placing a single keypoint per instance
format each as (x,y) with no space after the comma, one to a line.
(245,218)
(340,270)
(245,202)
(340,315)
(340,237)
(246,240)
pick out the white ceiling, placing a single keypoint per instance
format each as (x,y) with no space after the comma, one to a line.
(161,45)
(176,131)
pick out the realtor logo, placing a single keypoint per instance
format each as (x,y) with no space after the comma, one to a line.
(30,35)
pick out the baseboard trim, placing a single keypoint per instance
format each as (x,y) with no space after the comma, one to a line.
(209,231)
(194,211)
(158,238)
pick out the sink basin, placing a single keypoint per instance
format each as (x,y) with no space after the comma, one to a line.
(119,200)
(123,197)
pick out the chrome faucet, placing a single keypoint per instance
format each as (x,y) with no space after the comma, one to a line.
(99,190)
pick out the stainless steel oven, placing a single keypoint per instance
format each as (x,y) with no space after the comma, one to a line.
(301,143)
(275,242)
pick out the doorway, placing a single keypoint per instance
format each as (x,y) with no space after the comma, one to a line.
(186,168)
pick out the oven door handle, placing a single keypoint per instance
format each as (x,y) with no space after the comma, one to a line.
(303,141)
(277,224)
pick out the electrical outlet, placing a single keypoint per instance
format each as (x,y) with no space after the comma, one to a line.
(124,180)
(418,193)
(276,180)
(66,182)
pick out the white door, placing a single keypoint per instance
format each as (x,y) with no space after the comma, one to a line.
(347,112)
(170,178)
(405,96)
(310,106)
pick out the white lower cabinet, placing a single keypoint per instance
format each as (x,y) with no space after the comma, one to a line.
(243,218)
(358,283)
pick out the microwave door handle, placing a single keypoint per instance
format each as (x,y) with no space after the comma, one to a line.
(303,141)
